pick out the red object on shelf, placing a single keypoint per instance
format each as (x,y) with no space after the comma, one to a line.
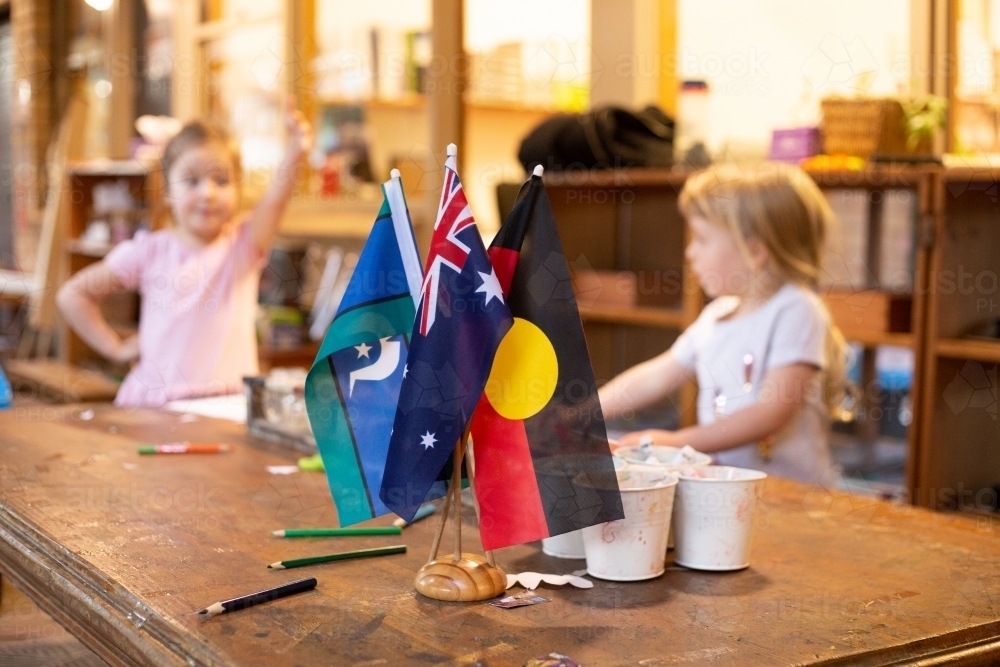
(330,176)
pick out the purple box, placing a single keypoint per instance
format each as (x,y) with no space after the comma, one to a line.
(795,144)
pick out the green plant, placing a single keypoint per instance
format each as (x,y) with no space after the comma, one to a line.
(924,115)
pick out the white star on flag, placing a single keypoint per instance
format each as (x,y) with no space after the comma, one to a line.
(490,287)
(428,440)
(406,369)
(363,350)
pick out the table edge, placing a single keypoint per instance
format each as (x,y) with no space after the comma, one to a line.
(47,572)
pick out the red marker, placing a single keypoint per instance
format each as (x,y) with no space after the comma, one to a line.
(185,448)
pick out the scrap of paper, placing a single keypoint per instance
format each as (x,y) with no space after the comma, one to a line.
(552,660)
(519,600)
(282,470)
(531,580)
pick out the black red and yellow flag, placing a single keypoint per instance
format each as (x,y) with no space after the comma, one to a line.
(543,466)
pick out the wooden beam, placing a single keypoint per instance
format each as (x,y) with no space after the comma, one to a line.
(119,29)
(185,76)
(447,78)
(944,59)
(300,52)
(668,56)
(626,52)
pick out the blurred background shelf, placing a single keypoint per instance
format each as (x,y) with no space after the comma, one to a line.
(644,316)
(108,202)
(987,351)
(958,458)
(85,249)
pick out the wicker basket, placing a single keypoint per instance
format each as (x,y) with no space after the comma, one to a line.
(864,127)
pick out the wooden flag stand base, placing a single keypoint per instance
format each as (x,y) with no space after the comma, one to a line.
(460,577)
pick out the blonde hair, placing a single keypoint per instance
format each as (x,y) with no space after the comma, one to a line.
(784,210)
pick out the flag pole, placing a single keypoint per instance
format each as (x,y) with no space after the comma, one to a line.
(470,453)
(456,479)
(440,529)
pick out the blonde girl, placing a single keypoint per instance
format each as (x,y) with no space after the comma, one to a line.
(766,356)
(197,279)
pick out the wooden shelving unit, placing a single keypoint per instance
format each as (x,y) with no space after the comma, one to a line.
(121,310)
(959,450)
(628,221)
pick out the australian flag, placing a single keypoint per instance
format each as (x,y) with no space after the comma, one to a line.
(461,318)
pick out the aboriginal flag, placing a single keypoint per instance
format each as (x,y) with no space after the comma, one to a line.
(543,466)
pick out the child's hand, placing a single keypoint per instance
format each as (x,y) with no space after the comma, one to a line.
(652,437)
(128,351)
(299,133)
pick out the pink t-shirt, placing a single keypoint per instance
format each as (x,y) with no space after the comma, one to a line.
(196,324)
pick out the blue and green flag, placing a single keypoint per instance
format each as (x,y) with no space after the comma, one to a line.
(353,386)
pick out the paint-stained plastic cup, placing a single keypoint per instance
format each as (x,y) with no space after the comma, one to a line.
(570,545)
(714,516)
(661,457)
(634,548)
(567,545)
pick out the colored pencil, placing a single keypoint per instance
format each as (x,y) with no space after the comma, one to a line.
(337,532)
(345,555)
(185,448)
(252,599)
(425,511)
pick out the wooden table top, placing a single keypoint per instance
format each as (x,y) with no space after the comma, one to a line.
(124,550)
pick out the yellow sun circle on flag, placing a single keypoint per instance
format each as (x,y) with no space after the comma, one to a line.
(525,372)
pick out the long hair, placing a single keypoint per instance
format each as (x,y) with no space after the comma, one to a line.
(783,209)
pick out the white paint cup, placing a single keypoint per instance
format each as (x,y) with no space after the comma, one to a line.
(661,457)
(570,545)
(567,545)
(633,548)
(714,516)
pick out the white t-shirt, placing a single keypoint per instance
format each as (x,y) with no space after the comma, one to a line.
(731,357)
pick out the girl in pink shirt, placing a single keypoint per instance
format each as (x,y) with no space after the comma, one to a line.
(197,279)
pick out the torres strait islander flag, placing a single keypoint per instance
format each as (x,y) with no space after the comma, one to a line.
(353,385)
(461,318)
(543,465)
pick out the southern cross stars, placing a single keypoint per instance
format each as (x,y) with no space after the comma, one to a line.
(428,440)
(363,350)
(490,287)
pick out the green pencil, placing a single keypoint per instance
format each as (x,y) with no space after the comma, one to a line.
(345,555)
(337,532)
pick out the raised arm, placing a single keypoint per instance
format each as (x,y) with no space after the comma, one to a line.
(267,214)
(642,385)
(79,301)
(782,393)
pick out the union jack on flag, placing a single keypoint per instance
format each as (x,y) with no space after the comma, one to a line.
(461,318)
(446,248)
